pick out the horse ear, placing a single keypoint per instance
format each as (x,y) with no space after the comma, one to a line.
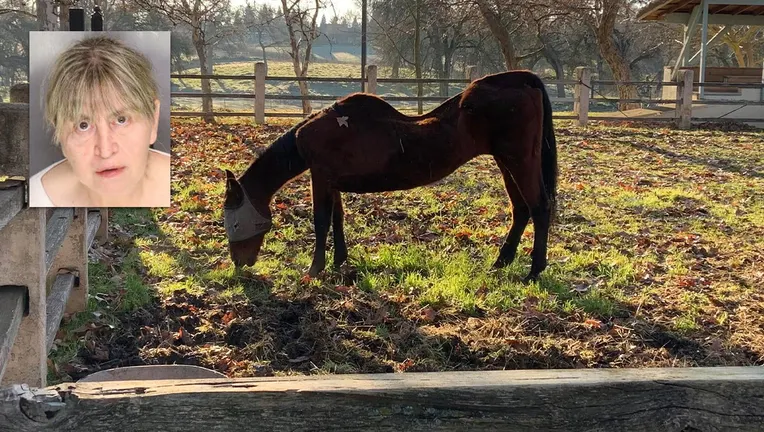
(234,194)
(229,175)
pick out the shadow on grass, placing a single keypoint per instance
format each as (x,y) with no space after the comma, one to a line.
(726,165)
(330,326)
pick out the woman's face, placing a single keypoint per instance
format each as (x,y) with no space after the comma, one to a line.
(109,152)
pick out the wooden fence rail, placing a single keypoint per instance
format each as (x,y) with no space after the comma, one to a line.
(665,399)
(39,249)
(584,94)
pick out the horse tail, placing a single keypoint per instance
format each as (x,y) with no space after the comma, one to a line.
(549,168)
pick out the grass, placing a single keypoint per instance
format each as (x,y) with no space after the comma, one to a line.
(654,261)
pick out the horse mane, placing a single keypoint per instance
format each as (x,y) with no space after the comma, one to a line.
(445,106)
(442,110)
(280,162)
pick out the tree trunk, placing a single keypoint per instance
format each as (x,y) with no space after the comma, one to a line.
(201,51)
(749,52)
(396,67)
(438,47)
(300,68)
(500,33)
(262,46)
(210,55)
(618,65)
(179,67)
(448,59)
(739,56)
(46,19)
(63,15)
(554,60)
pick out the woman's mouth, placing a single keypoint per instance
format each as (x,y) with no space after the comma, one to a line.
(110,172)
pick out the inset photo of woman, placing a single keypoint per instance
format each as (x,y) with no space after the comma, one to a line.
(99,119)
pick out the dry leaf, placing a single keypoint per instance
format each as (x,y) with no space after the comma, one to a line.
(228,317)
(593,323)
(428,314)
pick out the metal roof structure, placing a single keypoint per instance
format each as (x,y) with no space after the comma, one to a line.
(694,13)
(720,11)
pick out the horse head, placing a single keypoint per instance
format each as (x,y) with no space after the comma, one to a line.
(245,226)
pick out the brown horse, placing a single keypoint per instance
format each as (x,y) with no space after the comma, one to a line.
(362,144)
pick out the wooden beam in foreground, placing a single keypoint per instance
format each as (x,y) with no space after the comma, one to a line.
(681,399)
(13,302)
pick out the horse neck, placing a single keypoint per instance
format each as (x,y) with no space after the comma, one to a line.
(445,112)
(279,163)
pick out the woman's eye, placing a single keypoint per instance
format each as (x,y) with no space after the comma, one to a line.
(121,120)
(83,126)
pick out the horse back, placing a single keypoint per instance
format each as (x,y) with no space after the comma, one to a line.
(362,144)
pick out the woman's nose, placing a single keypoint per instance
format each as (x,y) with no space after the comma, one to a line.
(105,145)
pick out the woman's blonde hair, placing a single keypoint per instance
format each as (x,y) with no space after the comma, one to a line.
(98,74)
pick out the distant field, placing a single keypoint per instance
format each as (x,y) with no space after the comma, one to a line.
(323,70)
(285,69)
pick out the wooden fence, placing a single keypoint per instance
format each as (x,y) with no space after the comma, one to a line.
(584,94)
(591,400)
(43,258)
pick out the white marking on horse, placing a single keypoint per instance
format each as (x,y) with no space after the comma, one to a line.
(343,121)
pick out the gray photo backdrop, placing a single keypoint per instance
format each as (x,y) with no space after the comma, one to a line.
(45,47)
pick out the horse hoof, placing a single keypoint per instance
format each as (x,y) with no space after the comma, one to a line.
(500,263)
(530,278)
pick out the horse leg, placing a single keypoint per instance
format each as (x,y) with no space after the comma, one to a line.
(526,173)
(520,216)
(322,217)
(338,230)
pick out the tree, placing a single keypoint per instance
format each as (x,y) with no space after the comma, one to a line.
(17,7)
(181,47)
(447,33)
(201,17)
(46,18)
(746,44)
(14,43)
(506,19)
(301,23)
(262,22)
(391,33)
(602,16)
(401,24)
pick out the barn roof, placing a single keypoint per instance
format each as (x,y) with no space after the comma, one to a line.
(660,10)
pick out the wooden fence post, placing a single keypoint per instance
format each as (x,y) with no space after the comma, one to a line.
(684,98)
(371,79)
(472,73)
(581,97)
(25,236)
(20,93)
(668,92)
(22,250)
(103,229)
(73,256)
(261,71)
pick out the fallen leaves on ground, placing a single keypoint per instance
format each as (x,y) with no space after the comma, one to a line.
(681,210)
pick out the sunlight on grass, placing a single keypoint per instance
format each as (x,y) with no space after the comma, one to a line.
(190,285)
(159,264)
(686,323)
